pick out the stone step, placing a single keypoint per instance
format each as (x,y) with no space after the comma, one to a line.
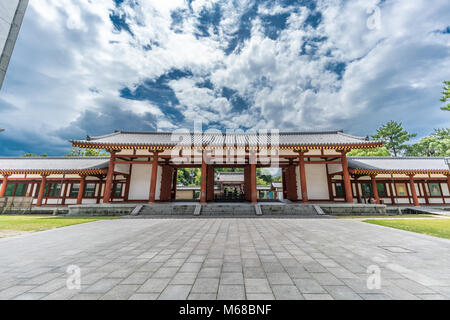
(167,209)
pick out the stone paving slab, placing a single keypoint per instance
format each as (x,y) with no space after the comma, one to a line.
(225,259)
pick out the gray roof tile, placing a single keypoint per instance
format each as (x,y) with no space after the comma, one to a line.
(398,164)
(230,177)
(222,139)
(53,163)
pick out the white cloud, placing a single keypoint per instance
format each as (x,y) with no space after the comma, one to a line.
(69,59)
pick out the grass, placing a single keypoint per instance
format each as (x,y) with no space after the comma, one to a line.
(396,216)
(433,227)
(41,222)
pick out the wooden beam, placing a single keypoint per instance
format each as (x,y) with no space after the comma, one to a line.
(109,178)
(253,191)
(81,190)
(174,184)
(41,191)
(375,189)
(448,183)
(413,191)
(210,184)
(346,177)
(4,185)
(203,180)
(247,183)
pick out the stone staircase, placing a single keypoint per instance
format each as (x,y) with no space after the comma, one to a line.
(162,209)
(227,209)
(288,210)
(428,210)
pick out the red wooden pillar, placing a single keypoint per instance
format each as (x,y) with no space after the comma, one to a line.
(247,182)
(81,190)
(413,190)
(41,191)
(109,178)
(203,180)
(284,183)
(346,176)
(174,184)
(64,192)
(152,195)
(100,187)
(448,184)
(375,189)
(4,185)
(210,184)
(253,190)
(127,187)
(303,186)
(292,181)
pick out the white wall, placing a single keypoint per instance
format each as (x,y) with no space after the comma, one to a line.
(316,181)
(158,183)
(299,185)
(444,188)
(140,182)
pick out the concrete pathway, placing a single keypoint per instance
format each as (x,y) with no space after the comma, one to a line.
(225,259)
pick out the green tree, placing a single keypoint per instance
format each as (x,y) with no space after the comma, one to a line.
(394,137)
(87,152)
(32,155)
(375,152)
(263,177)
(435,145)
(188,176)
(446,95)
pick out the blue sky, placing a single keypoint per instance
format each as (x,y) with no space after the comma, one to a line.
(91,67)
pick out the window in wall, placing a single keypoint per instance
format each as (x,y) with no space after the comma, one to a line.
(21,189)
(401,189)
(45,190)
(381,190)
(366,190)
(117,190)
(54,190)
(89,190)
(9,189)
(435,189)
(74,191)
(339,190)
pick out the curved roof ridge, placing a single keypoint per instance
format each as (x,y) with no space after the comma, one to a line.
(340,131)
(89,138)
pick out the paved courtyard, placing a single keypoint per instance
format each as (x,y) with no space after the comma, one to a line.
(225,259)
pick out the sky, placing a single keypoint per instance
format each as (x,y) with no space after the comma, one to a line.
(85,67)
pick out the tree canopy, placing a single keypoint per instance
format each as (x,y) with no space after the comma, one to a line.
(435,145)
(86,152)
(375,152)
(394,137)
(446,95)
(31,155)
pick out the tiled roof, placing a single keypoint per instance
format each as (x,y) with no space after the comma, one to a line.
(53,164)
(230,177)
(277,185)
(124,138)
(398,164)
